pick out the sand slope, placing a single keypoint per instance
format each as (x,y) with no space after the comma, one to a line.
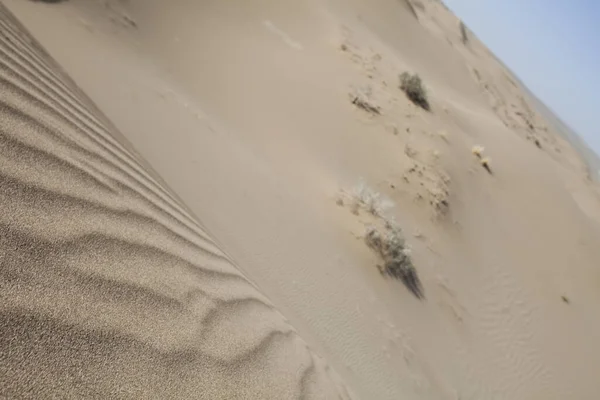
(110,287)
(247,110)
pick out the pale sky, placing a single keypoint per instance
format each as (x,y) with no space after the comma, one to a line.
(554,48)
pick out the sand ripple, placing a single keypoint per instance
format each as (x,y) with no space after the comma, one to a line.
(109,287)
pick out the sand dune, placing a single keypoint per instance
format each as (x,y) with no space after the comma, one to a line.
(110,288)
(258,141)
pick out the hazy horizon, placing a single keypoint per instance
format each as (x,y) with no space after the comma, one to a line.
(551,47)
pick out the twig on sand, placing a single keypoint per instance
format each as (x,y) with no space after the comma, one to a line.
(365,105)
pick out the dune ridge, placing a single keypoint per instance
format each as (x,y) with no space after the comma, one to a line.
(110,288)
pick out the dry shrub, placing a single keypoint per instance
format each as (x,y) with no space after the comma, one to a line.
(477,151)
(413,87)
(363,197)
(361,98)
(392,249)
(486,163)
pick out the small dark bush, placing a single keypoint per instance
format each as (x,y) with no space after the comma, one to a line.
(397,262)
(413,87)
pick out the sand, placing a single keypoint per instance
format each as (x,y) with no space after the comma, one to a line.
(189,230)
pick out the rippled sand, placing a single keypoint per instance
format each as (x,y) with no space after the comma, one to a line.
(110,288)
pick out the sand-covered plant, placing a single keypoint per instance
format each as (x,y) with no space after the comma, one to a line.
(412,86)
(390,245)
(393,251)
(363,197)
(485,162)
(361,98)
(477,150)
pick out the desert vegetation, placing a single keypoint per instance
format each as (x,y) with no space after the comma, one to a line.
(412,86)
(393,251)
(361,99)
(384,237)
(365,198)
(485,162)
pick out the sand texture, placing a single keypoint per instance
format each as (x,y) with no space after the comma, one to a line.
(178,150)
(110,287)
